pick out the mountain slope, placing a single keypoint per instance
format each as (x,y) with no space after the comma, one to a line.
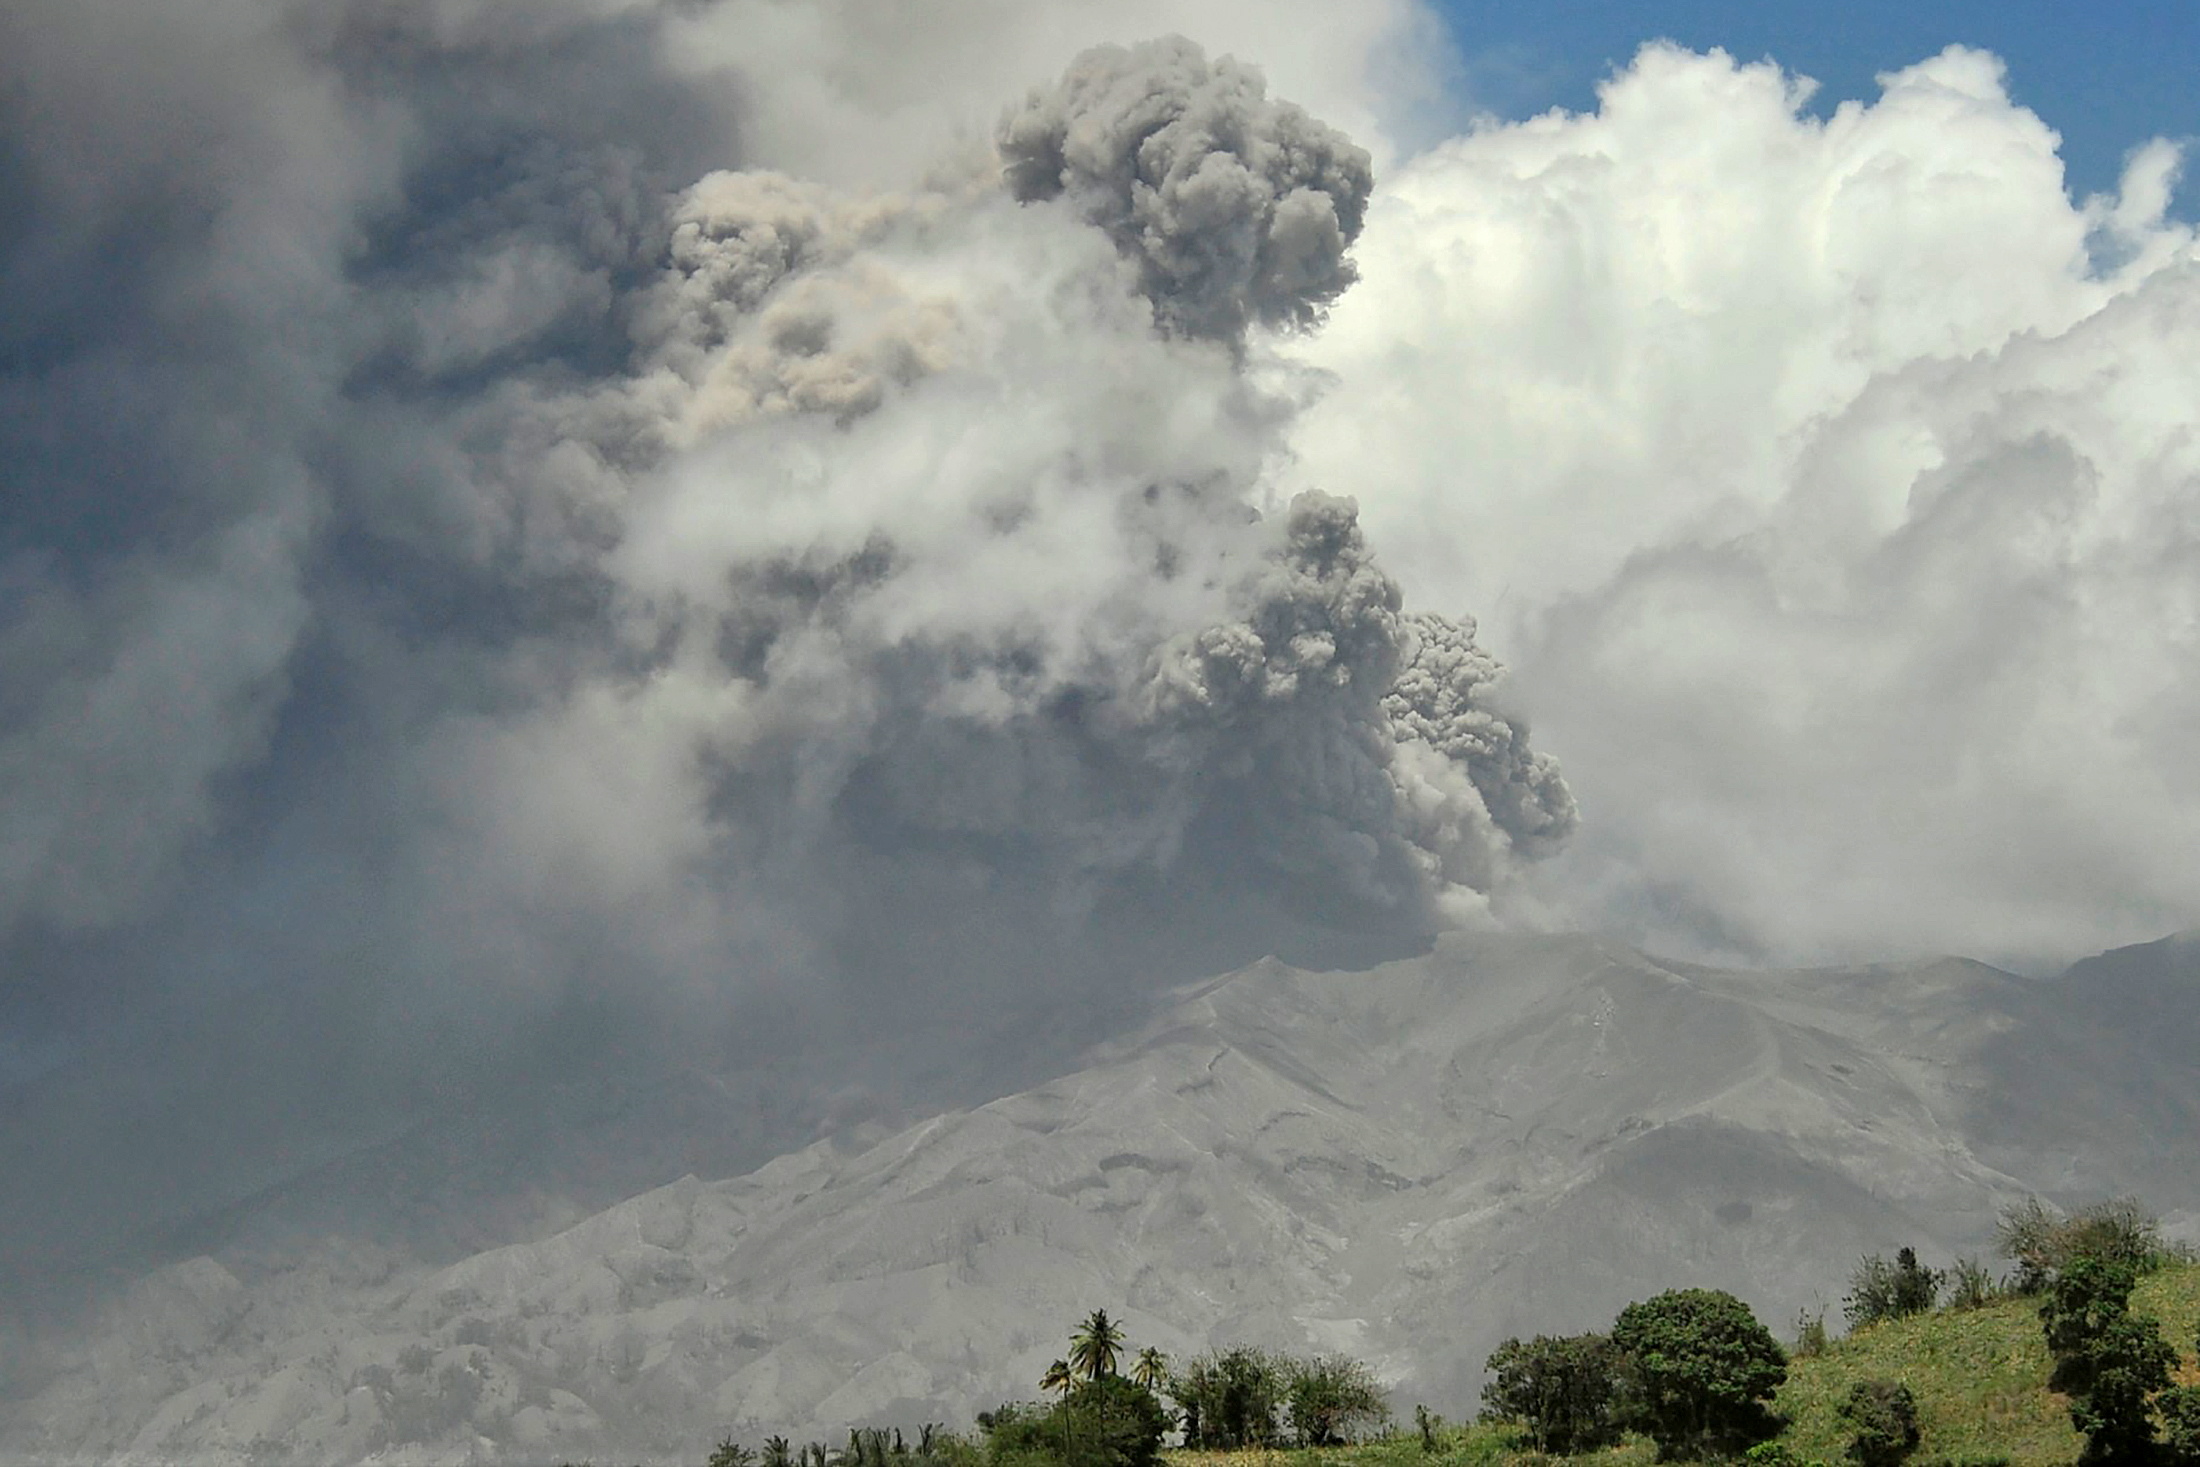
(1507,1135)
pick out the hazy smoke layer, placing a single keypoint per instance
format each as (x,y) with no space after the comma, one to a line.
(497,564)
(1834,485)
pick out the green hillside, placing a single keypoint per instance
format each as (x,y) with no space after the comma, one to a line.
(1979,1376)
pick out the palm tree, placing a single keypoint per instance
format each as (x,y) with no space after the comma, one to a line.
(1150,1368)
(1058,1378)
(1093,1349)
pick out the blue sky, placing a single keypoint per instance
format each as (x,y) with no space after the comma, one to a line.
(2107,78)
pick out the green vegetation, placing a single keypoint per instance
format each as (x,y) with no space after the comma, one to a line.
(1230,1399)
(1979,1376)
(1881,1290)
(2085,1354)
(1243,1397)
(2042,1243)
(1699,1373)
(1332,1399)
(1563,1391)
(2111,1362)
(1884,1414)
(1481,1444)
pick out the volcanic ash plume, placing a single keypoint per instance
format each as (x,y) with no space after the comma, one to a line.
(683,591)
(1140,674)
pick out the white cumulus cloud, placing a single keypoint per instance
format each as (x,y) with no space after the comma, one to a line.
(1832,484)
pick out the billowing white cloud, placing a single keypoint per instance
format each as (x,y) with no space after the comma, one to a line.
(1833,487)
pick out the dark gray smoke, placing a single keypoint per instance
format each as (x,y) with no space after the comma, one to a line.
(502,587)
(1235,209)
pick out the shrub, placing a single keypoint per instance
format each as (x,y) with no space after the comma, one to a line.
(1562,1389)
(1701,1370)
(1972,1285)
(1230,1398)
(1109,1422)
(1810,1333)
(2179,1408)
(2130,1363)
(2085,1299)
(2042,1243)
(1332,1399)
(1884,1414)
(1881,1290)
(2110,1361)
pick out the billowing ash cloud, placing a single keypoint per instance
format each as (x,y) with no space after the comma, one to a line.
(1233,207)
(1017,606)
(1399,779)
(499,566)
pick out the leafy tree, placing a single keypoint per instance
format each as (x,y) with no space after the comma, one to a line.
(1702,1371)
(1129,1421)
(1884,1414)
(1562,1389)
(2131,1363)
(1230,1398)
(1095,1346)
(1916,1287)
(2084,1299)
(1332,1398)
(1109,1422)
(2110,1361)
(1881,1290)
(729,1453)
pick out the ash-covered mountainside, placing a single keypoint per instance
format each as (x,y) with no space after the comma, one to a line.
(1505,1135)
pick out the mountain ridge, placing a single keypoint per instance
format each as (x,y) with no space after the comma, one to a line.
(1505,1135)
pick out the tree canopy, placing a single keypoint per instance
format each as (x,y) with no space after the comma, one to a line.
(1703,1371)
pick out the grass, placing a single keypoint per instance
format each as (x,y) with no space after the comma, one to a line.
(1457,1446)
(1979,1376)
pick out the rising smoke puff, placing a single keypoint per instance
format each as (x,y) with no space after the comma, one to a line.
(1236,209)
(1442,698)
(1374,757)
